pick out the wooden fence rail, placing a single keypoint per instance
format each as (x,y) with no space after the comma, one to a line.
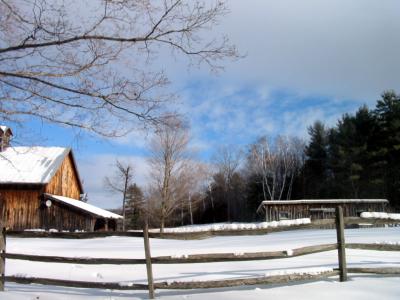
(340,246)
(194,258)
(76,284)
(201,258)
(2,258)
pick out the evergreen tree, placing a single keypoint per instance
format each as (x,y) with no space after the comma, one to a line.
(134,205)
(316,170)
(349,154)
(387,113)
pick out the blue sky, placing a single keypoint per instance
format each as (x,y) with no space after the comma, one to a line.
(304,60)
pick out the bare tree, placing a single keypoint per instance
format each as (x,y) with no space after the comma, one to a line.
(277,164)
(91,64)
(188,188)
(120,183)
(167,159)
(227,160)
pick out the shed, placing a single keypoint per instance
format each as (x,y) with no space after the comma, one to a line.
(40,188)
(5,137)
(319,208)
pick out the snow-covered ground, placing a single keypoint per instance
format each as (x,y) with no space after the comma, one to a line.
(359,287)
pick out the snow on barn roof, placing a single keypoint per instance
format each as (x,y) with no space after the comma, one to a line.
(84,206)
(322,201)
(4,128)
(30,165)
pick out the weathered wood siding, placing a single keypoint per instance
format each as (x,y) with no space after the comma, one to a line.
(21,207)
(277,212)
(24,207)
(2,209)
(65,181)
(63,217)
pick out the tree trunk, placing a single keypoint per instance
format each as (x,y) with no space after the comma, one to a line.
(162,224)
(190,209)
(212,204)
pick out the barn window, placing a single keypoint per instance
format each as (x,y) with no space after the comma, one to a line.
(283,215)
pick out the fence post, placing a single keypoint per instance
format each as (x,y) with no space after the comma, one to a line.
(341,244)
(148,260)
(2,259)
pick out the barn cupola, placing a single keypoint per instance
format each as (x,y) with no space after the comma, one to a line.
(5,137)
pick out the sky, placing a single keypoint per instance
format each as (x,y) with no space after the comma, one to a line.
(303,60)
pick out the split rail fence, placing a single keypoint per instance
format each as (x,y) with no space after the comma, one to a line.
(341,246)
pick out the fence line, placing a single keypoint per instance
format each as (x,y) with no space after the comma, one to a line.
(315,224)
(201,258)
(210,257)
(75,260)
(76,284)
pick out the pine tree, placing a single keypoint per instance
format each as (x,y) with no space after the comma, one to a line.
(349,156)
(316,166)
(387,113)
(134,205)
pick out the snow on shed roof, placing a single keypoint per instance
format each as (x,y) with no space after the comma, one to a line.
(322,201)
(84,206)
(5,129)
(30,165)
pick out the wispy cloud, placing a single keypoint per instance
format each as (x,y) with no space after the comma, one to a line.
(247,112)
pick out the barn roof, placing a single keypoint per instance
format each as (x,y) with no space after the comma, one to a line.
(83,206)
(32,165)
(323,201)
(5,128)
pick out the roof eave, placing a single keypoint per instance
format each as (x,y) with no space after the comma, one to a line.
(49,196)
(315,201)
(76,170)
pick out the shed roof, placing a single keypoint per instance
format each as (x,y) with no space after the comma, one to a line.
(323,201)
(5,128)
(85,207)
(265,203)
(32,165)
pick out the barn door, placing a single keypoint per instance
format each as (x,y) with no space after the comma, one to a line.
(2,212)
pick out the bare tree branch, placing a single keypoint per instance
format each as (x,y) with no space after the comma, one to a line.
(59,57)
(120,183)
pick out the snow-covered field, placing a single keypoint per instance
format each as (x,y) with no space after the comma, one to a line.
(359,286)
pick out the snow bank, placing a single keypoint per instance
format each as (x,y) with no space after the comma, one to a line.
(380,215)
(388,243)
(237,226)
(35,230)
(297,271)
(303,271)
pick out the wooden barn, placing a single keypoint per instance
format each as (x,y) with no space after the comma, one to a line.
(40,188)
(319,209)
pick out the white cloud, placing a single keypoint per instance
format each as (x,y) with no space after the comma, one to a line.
(336,48)
(251,111)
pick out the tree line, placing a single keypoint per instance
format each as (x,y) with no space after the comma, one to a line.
(359,157)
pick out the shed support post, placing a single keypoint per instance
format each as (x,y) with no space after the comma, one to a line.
(148,260)
(2,258)
(341,244)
